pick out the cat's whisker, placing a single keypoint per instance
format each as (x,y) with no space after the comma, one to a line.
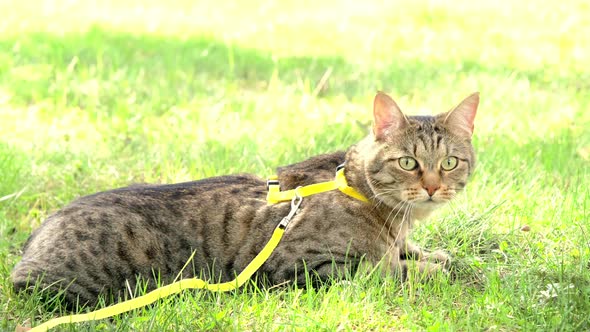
(405,208)
(385,192)
(387,223)
(389,189)
(405,217)
(398,208)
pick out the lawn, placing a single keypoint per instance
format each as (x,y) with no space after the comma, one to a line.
(101,94)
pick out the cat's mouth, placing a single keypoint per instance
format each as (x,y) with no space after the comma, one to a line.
(431,201)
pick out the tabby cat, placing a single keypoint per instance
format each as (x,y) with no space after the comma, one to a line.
(407,166)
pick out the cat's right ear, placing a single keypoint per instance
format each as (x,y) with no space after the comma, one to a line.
(460,119)
(387,117)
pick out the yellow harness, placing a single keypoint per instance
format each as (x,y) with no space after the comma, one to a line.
(274,196)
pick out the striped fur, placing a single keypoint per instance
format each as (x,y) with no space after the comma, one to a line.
(100,244)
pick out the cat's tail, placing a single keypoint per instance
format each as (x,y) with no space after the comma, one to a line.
(23,276)
(27,277)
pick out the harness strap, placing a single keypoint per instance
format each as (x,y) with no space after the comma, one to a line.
(275,195)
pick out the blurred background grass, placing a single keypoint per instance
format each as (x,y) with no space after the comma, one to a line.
(99,94)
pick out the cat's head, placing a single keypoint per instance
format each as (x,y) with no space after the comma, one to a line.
(423,160)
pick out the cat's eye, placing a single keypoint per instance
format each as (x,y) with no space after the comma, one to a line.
(408,163)
(449,163)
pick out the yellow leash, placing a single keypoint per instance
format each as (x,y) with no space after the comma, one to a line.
(171,289)
(274,196)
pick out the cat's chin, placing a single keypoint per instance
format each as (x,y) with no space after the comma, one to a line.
(429,204)
(421,210)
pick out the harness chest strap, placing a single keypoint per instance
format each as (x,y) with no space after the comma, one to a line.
(275,195)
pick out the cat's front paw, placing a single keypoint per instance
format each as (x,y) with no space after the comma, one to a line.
(438,256)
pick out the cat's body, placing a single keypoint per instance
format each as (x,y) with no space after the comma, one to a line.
(100,243)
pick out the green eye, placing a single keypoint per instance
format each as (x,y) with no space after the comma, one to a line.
(408,163)
(449,163)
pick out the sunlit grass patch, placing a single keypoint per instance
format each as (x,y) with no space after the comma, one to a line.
(101,95)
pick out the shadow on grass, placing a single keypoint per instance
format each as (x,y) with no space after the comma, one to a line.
(95,66)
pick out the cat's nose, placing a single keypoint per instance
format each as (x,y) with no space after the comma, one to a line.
(431,188)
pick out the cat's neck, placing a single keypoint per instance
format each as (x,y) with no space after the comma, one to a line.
(355,167)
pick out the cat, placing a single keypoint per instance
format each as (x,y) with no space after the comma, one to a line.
(406,167)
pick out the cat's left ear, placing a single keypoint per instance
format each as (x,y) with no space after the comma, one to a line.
(387,117)
(461,118)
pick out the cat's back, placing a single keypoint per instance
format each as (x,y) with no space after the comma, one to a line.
(214,187)
(155,204)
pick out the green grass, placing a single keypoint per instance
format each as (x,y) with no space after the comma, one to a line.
(99,97)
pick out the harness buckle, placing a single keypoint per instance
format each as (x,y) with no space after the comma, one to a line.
(272,181)
(295,203)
